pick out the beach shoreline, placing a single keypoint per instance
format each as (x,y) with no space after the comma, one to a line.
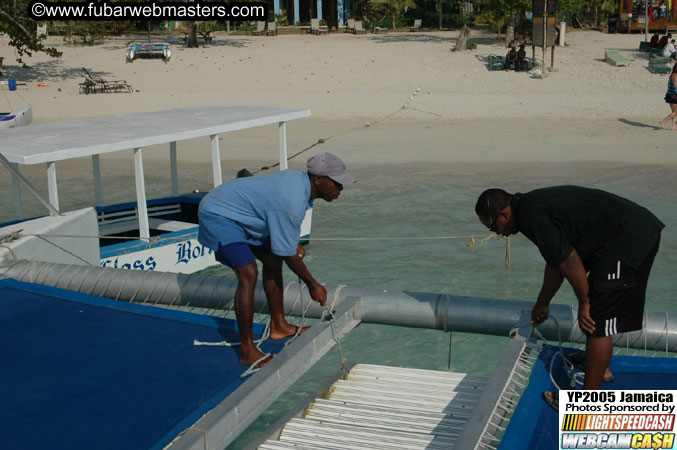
(398,98)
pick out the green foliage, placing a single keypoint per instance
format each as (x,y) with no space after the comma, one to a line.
(86,33)
(247,26)
(370,15)
(571,6)
(22,30)
(394,8)
(429,12)
(282,18)
(497,12)
(608,7)
(385,21)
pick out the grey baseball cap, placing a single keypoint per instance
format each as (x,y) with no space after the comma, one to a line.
(331,166)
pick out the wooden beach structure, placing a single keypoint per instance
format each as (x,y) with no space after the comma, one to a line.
(633,16)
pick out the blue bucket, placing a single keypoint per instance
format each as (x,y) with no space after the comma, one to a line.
(12,84)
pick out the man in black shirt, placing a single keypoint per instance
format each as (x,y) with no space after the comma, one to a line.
(603,244)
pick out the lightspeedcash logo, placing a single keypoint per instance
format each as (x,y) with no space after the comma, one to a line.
(617,419)
(103,10)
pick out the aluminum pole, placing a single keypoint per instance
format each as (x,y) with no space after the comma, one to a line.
(410,309)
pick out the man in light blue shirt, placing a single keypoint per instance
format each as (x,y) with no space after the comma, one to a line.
(260,217)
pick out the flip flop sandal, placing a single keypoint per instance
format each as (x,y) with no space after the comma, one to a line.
(578,360)
(552,402)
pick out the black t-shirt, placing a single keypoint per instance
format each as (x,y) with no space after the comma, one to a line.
(598,224)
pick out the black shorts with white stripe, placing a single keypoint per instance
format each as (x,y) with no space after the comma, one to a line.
(617,295)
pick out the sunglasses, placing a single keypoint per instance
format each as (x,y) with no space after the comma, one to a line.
(336,183)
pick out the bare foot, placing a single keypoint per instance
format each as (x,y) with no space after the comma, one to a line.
(287,332)
(662,124)
(251,357)
(608,375)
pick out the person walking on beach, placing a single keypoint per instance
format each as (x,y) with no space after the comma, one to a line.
(671,98)
(260,217)
(603,244)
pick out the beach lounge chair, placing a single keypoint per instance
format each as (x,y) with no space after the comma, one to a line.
(644,46)
(315,27)
(260,28)
(350,26)
(358,29)
(660,65)
(496,62)
(417,25)
(272,29)
(93,84)
(659,59)
(615,58)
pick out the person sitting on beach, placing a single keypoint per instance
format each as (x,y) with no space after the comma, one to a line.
(654,40)
(603,244)
(669,51)
(671,98)
(511,59)
(260,217)
(521,63)
(664,40)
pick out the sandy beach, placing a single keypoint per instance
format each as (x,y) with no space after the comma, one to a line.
(395,98)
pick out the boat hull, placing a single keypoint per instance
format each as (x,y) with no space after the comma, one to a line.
(182,255)
(175,251)
(17,119)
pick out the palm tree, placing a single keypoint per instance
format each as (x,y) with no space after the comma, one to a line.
(397,7)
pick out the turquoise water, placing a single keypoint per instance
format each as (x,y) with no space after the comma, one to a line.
(425,201)
(416,201)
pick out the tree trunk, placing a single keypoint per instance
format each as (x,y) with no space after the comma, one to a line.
(439,9)
(192,36)
(510,30)
(462,38)
(394,21)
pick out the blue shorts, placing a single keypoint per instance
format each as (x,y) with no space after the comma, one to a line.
(238,254)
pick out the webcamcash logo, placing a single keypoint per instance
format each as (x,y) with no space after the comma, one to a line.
(617,419)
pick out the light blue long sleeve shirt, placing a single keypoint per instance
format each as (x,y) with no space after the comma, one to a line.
(253,209)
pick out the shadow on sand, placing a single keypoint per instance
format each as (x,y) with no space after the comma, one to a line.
(638,124)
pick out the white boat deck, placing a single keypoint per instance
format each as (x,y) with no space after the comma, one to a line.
(58,141)
(381,407)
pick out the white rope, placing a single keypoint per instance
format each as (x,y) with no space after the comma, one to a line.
(328,311)
(472,239)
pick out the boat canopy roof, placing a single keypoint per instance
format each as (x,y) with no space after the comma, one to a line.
(60,141)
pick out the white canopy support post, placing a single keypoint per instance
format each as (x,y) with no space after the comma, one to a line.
(51,186)
(96,171)
(283,146)
(174,169)
(144,231)
(17,175)
(216,160)
(16,191)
